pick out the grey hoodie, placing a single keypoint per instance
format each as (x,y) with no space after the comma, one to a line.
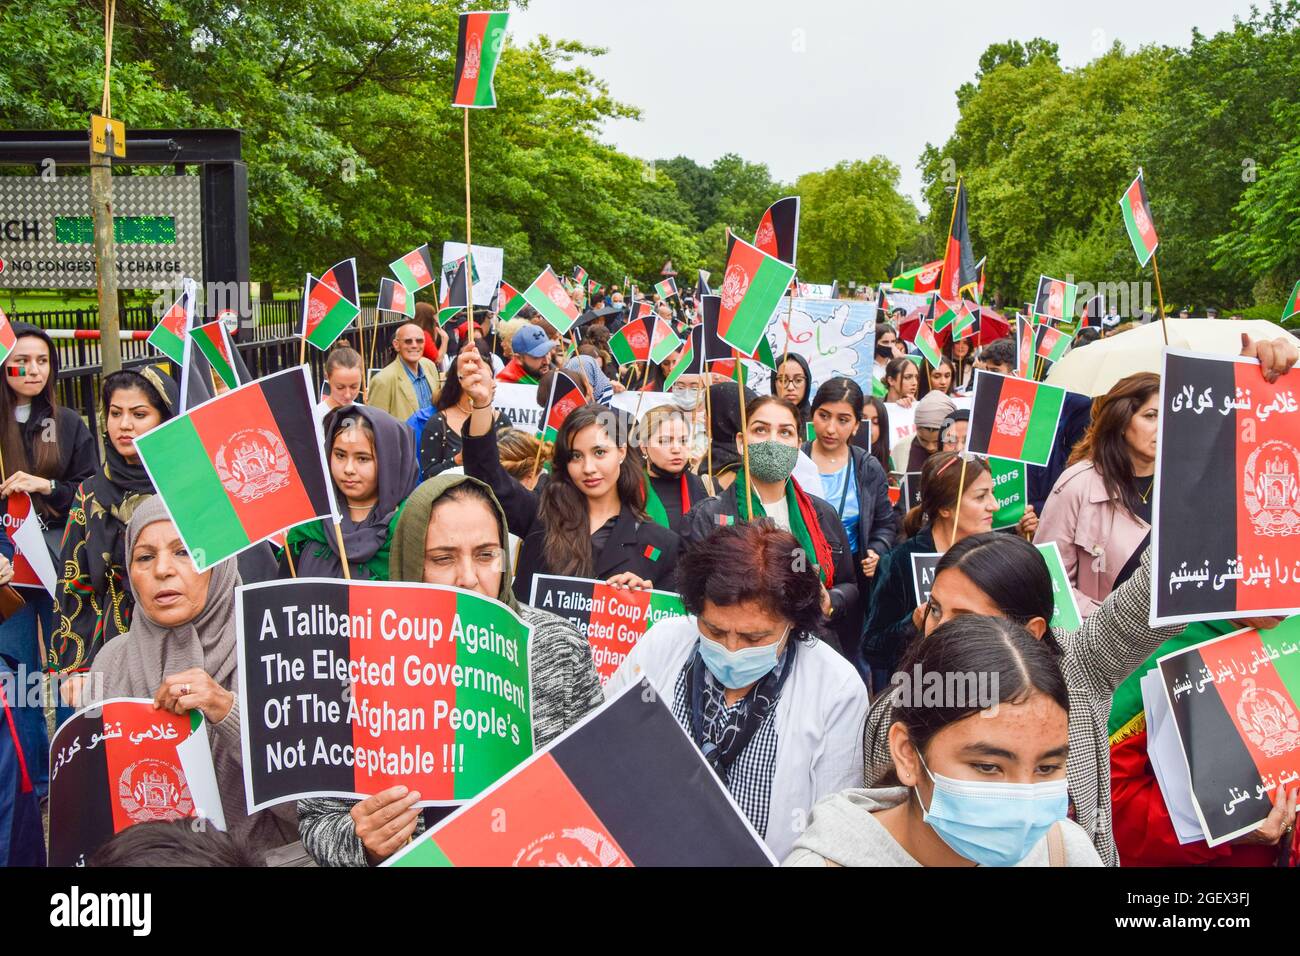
(842,831)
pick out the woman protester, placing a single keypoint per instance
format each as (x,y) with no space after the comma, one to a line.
(588,521)
(671,487)
(979,778)
(372,464)
(773,440)
(181,651)
(344,373)
(440,442)
(723,458)
(774,711)
(962,353)
(1099,511)
(873,434)
(937,378)
(901,380)
(793,382)
(452,532)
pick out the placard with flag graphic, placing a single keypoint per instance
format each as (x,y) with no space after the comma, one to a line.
(169,335)
(415,269)
(752,287)
(611,619)
(509,301)
(479,41)
(1228,451)
(326,313)
(393,297)
(32,563)
(438,694)
(1055,299)
(213,341)
(919,280)
(1138,223)
(1234,701)
(778,230)
(566,396)
(124,762)
(242,466)
(667,288)
(624,787)
(1013,418)
(552,301)
(7,338)
(1292,306)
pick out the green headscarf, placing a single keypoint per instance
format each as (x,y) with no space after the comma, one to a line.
(406,547)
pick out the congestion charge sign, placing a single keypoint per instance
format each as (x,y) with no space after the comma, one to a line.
(47,231)
(347,689)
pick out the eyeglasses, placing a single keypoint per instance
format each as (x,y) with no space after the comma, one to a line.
(790,380)
(410,341)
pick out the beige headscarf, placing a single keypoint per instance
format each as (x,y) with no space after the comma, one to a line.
(135,663)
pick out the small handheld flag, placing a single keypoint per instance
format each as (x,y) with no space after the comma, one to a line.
(1024,347)
(1055,299)
(778,230)
(1013,418)
(509,301)
(342,278)
(921,279)
(1138,222)
(566,395)
(213,341)
(553,303)
(7,338)
(478,49)
(752,288)
(415,269)
(666,289)
(928,345)
(1051,344)
(1292,306)
(457,297)
(168,336)
(393,297)
(326,313)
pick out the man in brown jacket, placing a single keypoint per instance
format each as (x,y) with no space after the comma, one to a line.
(410,382)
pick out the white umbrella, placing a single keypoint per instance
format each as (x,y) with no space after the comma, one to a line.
(1096,367)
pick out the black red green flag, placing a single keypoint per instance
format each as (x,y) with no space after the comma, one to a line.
(241,467)
(509,301)
(456,299)
(213,341)
(566,396)
(415,269)
(921,279)
(1229,447)
(625,787)
(667,288)
(778,230)
(1137,220)
(1013,418)
(1025,365)
(170,333)
(959,272)
(1292,306)
(1093,310)
(1234,701)
(1051,344)
(1055,299)
(342,278)
(478,49)
(882,306)
(393,297)
(325,313)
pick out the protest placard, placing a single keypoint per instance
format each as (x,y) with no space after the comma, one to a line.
(1227,491)
(611,619)
(489,263)
(625,787)
(518,403)
(350,688)
(1234,702)
(1010,491)
(923,566)
(1013,418)
(1065,613)
(123,762)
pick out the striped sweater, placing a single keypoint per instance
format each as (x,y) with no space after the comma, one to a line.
(565,687)
(1113,642)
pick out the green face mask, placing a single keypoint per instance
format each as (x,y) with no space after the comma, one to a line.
(772,461)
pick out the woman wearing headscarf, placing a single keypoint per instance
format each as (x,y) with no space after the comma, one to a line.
(601,387)
(723,459)
(453,532)
(95,601)
(372,462)
(181,650)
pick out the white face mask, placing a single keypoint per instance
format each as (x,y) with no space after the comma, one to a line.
(687,399)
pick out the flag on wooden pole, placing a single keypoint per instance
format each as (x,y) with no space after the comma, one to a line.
(478,49)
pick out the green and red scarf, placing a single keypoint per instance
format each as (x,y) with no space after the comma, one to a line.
(804,525)
(654,505)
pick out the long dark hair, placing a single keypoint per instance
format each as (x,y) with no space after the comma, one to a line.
(841,389)
(46,458)
(451,390)
(1103,443)
(1009,570)
(924,387)
(566,547)
(941,476)
(973,644)
(879,449)
(896,368)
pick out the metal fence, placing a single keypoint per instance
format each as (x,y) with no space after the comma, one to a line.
(269,344)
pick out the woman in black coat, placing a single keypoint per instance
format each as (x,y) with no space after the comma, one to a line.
(589,520)
(672,489)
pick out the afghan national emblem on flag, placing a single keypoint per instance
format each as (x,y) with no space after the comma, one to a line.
(342,278)
(241,467)
(1013,418)
(928,344)
(552,301)
(921,279)
(752,288)
(1055,299)
(509,301)
(168,336)
(325,312)
(393,297)
(945,313)
(1051,344)
(478,49)
(415,269)
(1138,222)
(666,289)
(566,396)
(778,230)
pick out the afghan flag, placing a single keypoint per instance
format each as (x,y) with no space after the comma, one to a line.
(241,467)
(752,288)
(921,279)
(215,345)
(959,271)
(882,305)
(945,313)
(342,278)
(1227,491)
(415,269)
(1055,299)
(967,321)
(1234,701)
(1137,220)
(326,313)
(33,564)
(631,343)
(1025,339)
(667,288)
(566,396)
(478,48)
(457,297)
(7,338)
(1051,344)
(509,301)
(778,230)
(553,303)
(594,288)
(691,363)
(393,297)
(979,285)
(928,344)
(1292,306)
(1093,310)
(624,787)
(579,275)
(1013,418)
(168,336)
(702,284)
(118,764)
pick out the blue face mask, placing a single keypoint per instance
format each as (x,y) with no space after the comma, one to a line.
(737,669)
(994,824)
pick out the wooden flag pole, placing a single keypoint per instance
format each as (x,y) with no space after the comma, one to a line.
(789,317)
(744,430)
(1160,298)
(288,553)
(469,245)
(343,554)
(956,511)
(640,395)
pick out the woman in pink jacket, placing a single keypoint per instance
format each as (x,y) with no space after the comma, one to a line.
(1099,511)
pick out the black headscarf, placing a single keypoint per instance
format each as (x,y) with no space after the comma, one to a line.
(724,418)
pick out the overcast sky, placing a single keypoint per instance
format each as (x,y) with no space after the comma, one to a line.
(802,85)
